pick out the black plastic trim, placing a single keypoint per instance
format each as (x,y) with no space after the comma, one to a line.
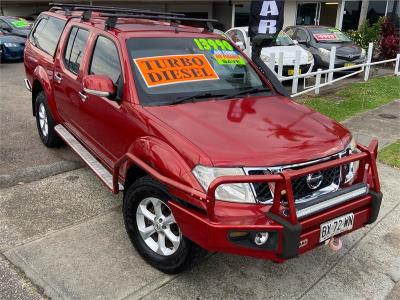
(375,206)
(291,236)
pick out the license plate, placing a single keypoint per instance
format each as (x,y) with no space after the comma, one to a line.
(348,64)
(291,72)
(336,226)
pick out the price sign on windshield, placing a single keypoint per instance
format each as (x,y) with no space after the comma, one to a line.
(325,36)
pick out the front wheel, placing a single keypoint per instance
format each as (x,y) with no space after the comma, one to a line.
(45,122)
(153,230)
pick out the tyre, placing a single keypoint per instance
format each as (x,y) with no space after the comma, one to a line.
(45,122)
(152,229)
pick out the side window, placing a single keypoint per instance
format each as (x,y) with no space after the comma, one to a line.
(4,25)
(236,36)
(240,37)
(47,33)
(105,60)
(301,35)
(75,49)
(290,32)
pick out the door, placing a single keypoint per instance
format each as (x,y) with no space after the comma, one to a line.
(68,78)
(328,13)
(106,122)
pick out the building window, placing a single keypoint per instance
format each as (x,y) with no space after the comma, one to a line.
(351,15)
(376,9)
(242,14)
(393,13)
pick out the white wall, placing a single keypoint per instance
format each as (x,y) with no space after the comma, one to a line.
(290,13)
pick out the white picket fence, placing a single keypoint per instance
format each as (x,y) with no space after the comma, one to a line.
(328,74)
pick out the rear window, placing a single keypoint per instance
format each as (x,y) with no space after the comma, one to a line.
(329,35)
(169,69)
(47,33)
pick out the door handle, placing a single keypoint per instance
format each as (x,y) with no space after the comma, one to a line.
(57,77)
(83,96)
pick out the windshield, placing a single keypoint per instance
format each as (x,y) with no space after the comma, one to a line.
(329,35)
(167,70)
(19,23)
(283,40)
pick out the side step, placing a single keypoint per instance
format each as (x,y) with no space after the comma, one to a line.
(88,158)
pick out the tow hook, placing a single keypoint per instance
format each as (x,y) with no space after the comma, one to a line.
(335,244)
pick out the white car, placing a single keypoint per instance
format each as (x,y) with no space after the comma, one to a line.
(283,44)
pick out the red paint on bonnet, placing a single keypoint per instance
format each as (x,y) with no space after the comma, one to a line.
(255,131)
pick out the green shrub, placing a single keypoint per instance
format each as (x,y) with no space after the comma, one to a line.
(367,33)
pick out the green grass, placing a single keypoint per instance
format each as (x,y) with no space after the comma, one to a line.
(357,97)
(390,155)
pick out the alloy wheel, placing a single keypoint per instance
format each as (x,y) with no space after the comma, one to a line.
(43,122)
(157,226)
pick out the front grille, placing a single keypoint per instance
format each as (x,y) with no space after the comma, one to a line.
(348,58)
(285,69)
(261,190)
(301,189)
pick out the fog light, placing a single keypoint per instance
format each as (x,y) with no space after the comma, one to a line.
(261,238)
(238,234)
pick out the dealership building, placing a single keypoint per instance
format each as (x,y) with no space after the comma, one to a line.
(342,14)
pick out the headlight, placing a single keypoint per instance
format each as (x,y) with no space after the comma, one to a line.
(238,192)
(324,52)
(363,53)
(351,169)
(310,57)
(10,45)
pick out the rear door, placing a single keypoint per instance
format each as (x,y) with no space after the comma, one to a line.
(68,77)
(42,45)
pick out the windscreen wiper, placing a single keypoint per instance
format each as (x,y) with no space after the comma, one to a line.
(195,97)
(246,91)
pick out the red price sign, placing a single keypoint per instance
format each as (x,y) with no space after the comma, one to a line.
(325,36)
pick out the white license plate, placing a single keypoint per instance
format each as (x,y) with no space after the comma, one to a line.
(336,226)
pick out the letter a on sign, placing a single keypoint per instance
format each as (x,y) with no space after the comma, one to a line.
(266,17)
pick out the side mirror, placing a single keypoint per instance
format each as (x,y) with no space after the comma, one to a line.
(295,42)
(240,45)
(99,85)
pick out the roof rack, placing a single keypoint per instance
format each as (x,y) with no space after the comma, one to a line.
(113,13)
(113,18)
(68,7)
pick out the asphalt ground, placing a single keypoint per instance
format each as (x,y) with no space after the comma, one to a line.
(62,234)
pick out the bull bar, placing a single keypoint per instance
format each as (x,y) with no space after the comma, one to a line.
(366,176)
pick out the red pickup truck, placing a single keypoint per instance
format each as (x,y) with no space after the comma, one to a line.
(208,151)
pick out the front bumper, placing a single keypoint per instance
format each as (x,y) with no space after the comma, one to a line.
(293,228)
(214,224)
(289,240)
(303,69)
(14,53)
(340,63)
